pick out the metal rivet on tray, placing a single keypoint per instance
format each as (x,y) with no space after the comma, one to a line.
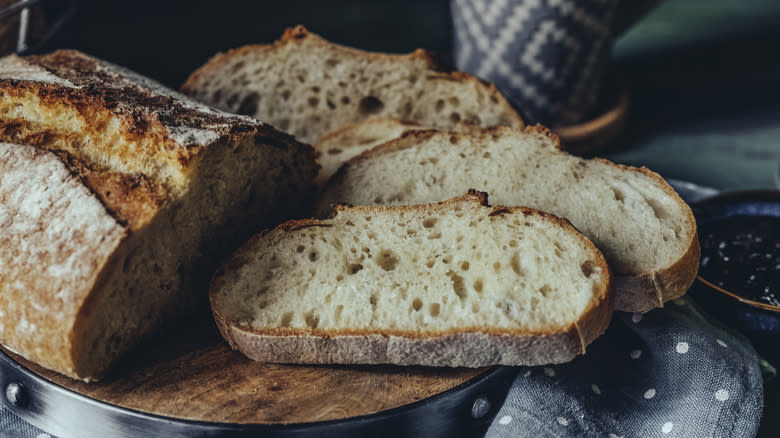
(16,394)
(480,407)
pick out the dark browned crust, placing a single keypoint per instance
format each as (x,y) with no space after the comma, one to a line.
(142,111)
(102,92)
(636,291)
(295,35)
(439,348)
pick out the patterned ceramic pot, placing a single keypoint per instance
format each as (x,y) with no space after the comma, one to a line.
(547,56)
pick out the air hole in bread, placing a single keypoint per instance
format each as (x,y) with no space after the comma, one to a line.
(464,266)
(545,289)
(387,260)
(314,101)
(458,285)
(339,277)
(497,267)
(370,105)
(373,300)
(434,309)
(406,110)
(332,62)
(454,139)
(454,101)
(301,79)
(473,119)
(515,263)
(286,94)
(286,319)
(300,249)
(486,155)
(248,106)
(436,235)
(354,268)
(313,256)
(237,66)
(417,304)
(345,100)
(455,118)
(658,210)
(430,222)
(588,268)
(618,194)
(474,307)
(378,199)
(331,105)
(430,263)
(334,151)
(311,319)
(478,285)
(439,105)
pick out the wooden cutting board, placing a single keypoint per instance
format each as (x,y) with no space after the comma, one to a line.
(192,374)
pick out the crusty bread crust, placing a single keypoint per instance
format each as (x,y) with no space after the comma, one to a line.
(44,310)
(636,291)
(474,346)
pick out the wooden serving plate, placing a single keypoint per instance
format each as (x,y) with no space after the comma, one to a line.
(192,378)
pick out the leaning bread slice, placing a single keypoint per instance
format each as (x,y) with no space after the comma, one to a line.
(116,197)
(308,86)
(336,147)
(646,232)
(456,283)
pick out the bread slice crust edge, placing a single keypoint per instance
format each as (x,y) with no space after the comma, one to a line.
(465,346)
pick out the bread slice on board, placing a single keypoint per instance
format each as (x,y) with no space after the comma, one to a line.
(117,196)
(308,86)
(646,232)
(457,283)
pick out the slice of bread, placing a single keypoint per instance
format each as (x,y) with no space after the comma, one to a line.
(117,199)
(646,232)
(337,147)
(456,283)
(308,86)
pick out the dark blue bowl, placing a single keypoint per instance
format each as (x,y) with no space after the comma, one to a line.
(759,320)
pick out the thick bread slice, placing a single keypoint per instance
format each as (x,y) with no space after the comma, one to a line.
(646,232)
(117,197)
(456,283)
(309,87)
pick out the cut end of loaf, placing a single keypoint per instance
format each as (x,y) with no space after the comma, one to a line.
(429,274)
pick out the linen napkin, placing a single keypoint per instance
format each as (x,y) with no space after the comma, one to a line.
(668,373)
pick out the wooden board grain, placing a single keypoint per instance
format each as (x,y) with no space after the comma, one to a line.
(192,374)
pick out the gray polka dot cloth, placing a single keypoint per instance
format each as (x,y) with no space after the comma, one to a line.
(668,373)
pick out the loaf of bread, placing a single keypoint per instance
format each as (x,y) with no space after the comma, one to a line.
(457,283)
(117,197)
(646,232)
(307,86)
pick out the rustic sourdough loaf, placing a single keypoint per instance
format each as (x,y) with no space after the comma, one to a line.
(308,86)
(646,232)
(116,197)
(456,283)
